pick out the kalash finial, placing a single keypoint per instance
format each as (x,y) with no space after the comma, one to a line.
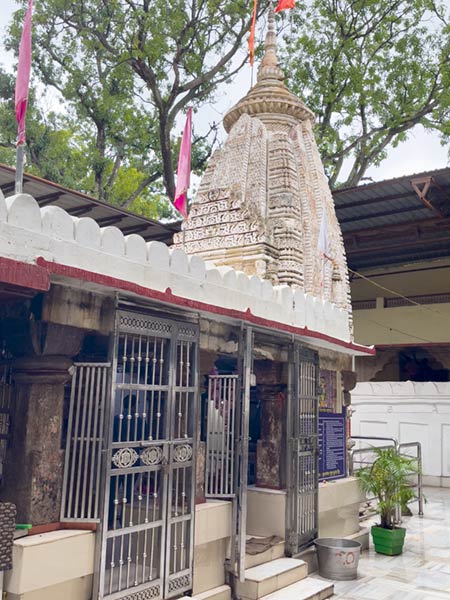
(269,68)
(269,99)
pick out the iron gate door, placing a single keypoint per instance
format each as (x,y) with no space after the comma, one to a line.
(227,439)
(221,410)
(303,450)
(83,467)
(148,525)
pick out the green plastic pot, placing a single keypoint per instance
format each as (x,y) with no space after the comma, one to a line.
(388,541)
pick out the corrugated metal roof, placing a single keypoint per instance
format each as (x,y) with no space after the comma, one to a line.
(383,223)
(80,205)
(399,220)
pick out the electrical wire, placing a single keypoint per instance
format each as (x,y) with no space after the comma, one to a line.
(398,294)
(394,329)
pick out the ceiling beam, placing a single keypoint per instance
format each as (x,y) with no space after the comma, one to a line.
(134,229)
(8,187)
(46,199)
(422,185)
(78,211)
(423,223)
(168,238)
(359,263)
(105,221)
(384,213)
(383,245)
(372,200)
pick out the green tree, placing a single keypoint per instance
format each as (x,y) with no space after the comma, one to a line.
(371,70)
(53,151)
(127,69)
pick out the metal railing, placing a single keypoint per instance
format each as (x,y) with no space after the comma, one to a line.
(84,448)
(220,436)
(365,452)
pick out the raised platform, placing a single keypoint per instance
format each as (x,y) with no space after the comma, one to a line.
(339,503)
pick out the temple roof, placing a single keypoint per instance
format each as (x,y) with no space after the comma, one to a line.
(264,198)
(269,97)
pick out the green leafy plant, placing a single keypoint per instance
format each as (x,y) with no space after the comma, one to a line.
(388,479)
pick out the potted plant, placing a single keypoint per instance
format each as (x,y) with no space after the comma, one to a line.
(388,479)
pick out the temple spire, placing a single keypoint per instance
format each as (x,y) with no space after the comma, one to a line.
(269,68)
(269,99)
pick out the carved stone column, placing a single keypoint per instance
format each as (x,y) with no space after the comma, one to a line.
(270,450)
(33,471)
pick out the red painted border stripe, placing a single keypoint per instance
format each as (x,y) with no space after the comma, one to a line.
(20,274)
(168,297)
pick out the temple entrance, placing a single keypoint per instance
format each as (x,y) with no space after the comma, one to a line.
(303,451)
(261,439)
(147,531)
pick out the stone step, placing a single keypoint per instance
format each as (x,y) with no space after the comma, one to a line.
(306,589)
(270,577)
(223,592)
(276,551)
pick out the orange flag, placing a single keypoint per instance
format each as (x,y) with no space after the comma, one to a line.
(251,39)
(284,4)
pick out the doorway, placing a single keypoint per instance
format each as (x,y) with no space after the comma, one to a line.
(148,518)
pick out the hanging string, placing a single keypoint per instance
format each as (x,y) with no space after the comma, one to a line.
(394,329)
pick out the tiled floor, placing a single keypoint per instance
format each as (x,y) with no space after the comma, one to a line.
(422,572)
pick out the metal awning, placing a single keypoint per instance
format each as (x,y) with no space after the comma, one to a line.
(396,221)
(80,205)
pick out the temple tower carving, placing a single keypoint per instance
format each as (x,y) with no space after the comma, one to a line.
(260,203)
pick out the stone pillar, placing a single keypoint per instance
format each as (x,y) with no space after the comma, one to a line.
(270,451)
(33,471)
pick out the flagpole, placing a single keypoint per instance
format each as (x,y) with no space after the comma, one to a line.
(21,94)
(20,153)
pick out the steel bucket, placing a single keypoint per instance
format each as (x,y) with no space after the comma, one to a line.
(338,558)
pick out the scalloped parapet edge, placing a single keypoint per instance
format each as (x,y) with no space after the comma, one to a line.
(28,232)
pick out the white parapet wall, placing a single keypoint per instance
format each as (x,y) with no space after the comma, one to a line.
(409,412)
(50,236)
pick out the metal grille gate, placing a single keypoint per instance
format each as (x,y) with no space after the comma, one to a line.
(148,535)
(227,445)
(82,493)
(303,451)
(220,436)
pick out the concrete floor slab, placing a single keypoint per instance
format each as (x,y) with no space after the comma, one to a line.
(422,572)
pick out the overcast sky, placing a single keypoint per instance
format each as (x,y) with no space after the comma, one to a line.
(422,151)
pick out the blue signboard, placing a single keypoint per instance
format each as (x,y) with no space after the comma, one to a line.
(332,446)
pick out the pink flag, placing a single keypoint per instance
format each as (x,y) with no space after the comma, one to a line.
(184,167)
(23,75)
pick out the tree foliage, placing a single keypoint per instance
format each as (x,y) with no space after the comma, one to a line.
(371,70)
(127,70)
(51,143)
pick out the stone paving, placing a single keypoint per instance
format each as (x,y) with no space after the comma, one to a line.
(422,572)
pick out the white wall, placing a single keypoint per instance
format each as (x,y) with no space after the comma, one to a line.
(29,234)
(410,412)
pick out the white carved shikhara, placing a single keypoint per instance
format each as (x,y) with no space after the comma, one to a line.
(260,203)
